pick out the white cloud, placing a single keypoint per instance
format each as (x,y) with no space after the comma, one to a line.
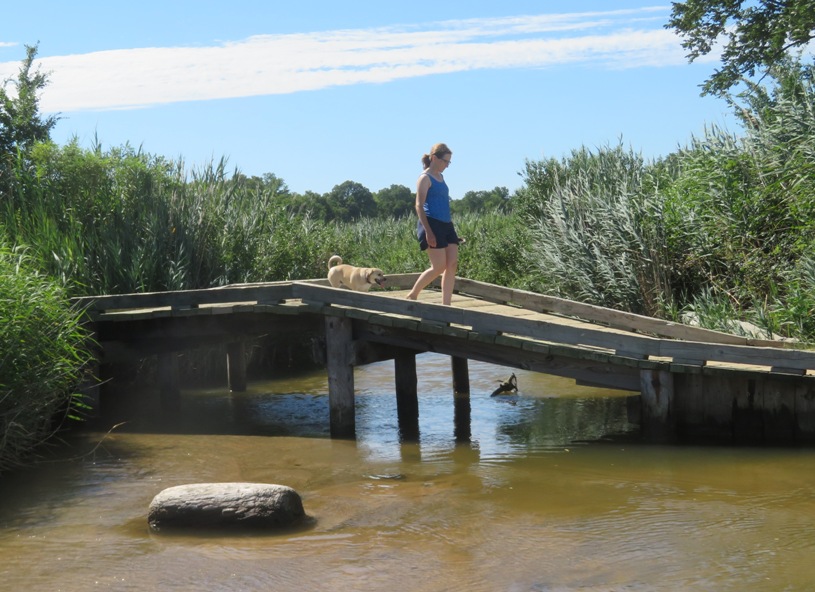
(279,64)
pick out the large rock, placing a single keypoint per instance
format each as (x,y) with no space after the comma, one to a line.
(226,505)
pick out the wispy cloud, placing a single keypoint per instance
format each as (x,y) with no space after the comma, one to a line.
(280,64)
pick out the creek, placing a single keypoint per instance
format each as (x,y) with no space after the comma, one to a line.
(552,491)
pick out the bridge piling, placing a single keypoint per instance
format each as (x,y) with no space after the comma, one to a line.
(407,399)
(657,414)
(461,399)
(338,342)
(461,375)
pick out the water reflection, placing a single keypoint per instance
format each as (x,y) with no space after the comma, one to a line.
(525,421)
(551,491)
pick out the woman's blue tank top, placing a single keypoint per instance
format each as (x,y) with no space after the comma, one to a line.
(437,202)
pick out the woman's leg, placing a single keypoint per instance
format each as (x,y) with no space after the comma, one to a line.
(438,263)
(448,278)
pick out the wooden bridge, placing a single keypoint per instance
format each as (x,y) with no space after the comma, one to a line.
(692,382)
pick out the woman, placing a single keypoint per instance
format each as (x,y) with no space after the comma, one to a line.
(435,229)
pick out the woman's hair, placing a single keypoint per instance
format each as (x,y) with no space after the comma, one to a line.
(438,151)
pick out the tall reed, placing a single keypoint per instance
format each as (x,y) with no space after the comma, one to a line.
(596,224)
(43,357)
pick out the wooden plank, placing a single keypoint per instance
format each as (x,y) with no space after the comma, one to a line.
(486,322)
(261,292)
(614,318)
(403,281)
(537,358)
(589,335)
(738,354)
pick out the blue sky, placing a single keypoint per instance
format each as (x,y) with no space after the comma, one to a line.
(319,92)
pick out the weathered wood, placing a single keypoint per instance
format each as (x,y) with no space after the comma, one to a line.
(613,318)
(720,395)
(551,330)
(461,374)
(720,382)
(236,366)
(737,354)
(688,404)
(462,410)
(747,421)
(804,414)
(407,399)
(543,327)
(338,339)
(597,368)
(658,417)
(366,352)
(261,293)
(778,410)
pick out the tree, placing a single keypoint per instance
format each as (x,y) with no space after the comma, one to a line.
(483,201)
(21,125)
(756,35)
(395,201)
(310,204)
(268,183)
(351,201)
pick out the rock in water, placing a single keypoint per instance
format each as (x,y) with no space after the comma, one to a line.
(226,505)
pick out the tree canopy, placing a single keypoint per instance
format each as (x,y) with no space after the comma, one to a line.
(480,201)
(755,35)
(20,122)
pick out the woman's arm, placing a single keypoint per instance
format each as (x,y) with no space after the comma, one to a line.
(422,185)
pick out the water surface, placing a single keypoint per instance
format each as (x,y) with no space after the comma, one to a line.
(552,492)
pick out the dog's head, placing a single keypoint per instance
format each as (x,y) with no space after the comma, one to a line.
(376,276)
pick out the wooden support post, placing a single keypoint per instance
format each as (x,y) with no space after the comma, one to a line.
(461,375)
(169,389)
(658,419)
(778,410)
(338,341)
(804,414)
(236,366)
(461,399)
(407,399)
(748,427)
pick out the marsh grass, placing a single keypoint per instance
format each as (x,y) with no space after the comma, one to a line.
(597,232)
(42,361)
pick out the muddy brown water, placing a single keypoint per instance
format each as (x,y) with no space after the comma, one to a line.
(552,492)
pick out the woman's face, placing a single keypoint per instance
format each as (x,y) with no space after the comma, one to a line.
(443,161)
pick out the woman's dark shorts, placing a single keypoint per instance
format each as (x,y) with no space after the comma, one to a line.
(445,234)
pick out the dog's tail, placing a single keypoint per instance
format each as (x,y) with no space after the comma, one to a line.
(335,260)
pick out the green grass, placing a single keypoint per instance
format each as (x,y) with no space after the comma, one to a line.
(43,356)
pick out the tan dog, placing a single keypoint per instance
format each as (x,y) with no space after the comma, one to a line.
(356,278)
